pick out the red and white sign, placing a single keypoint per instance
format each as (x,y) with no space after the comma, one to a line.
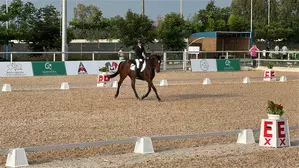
(274,133)
(103,80)
(269,75)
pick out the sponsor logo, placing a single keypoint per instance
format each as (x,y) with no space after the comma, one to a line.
(15,69)
(204,65)
(82,69)
(48,68)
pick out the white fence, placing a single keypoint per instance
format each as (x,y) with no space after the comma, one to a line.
(174,60)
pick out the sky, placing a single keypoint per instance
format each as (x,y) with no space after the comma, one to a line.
(153,8)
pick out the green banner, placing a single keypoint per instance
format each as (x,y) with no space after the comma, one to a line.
(228,65)
(48,68)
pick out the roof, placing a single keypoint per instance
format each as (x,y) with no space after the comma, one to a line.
(220,34)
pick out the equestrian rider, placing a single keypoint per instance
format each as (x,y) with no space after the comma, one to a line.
(140,56)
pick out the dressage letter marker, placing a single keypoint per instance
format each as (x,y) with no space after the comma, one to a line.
(269,75)
(103,80)
(274,133)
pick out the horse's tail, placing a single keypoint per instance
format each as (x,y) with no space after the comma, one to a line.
(116,73)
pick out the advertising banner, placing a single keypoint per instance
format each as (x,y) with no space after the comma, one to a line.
(90,67)
(203,65)
(228,65)
(48,68)
(13,69)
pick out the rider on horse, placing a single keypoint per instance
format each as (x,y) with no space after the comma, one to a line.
(140,56)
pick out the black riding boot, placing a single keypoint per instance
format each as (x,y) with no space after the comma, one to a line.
(137,73)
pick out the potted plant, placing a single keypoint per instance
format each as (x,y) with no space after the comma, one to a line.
(104,70)
(270,66)
(275,111)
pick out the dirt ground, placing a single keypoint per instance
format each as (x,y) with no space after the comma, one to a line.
(38,113)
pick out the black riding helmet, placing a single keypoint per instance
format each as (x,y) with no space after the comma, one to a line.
(139,41)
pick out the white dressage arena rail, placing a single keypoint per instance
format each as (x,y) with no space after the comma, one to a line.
(131,140)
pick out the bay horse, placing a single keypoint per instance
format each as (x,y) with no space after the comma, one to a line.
(152,64)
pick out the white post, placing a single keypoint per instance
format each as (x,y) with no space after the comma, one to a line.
(181,8)
(64,25)
(130,55)
(10,57)
(251,17)
(164,60)
(54,57)
(93,56)
(185,59)
(226,54)
(269,5)
(258,59)
(196,56)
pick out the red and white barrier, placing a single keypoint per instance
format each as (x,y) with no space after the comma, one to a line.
(274,133)
(269,75)
(103,79)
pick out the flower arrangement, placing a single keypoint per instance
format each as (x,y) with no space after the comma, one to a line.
(270,66)
(103,69)
(276,109)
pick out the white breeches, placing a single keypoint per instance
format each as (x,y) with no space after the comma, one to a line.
(138,62)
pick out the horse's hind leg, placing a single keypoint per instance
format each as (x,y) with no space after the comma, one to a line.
(149,90)
(133,86)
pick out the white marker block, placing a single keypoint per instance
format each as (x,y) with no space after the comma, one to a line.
(115,84)
(6,88)
(206,81)
(144,145)
(163,83)
(283,79)
(246,137)
(16,158)
(246,80)
(65,86)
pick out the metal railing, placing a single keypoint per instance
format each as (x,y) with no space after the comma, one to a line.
(178,60)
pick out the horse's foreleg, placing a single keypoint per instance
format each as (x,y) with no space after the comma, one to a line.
(155,90)
(149,90)
(118,86)
(133,87)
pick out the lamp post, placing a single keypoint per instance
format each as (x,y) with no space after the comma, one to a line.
(251,16)
(64,35)
(6,45)
(181,8)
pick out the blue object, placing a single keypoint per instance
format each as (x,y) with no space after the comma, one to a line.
(6,50)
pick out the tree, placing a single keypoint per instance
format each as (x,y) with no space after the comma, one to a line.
(214,18)
(172,32)
(88,22)
(19,16)
(135,27)
(238,23)
(44,32)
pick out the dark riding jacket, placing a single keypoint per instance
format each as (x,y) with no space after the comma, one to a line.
(139,51)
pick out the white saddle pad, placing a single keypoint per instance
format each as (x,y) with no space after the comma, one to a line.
(132,67)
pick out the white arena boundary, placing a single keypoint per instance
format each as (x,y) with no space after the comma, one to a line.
(131,140)
(171,82)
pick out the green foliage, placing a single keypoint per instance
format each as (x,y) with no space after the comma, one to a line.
(270,66)
(88,23)
(214,18)
(135,27)
(44,34)
(172,31)
(238,23)
(276,109)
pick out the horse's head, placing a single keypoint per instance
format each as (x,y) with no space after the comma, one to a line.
(155,60)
